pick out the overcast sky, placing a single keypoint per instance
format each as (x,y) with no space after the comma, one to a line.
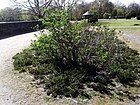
(6,3)
(125,2)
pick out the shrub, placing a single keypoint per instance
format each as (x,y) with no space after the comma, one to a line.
(73,55)
(138,17)
(93,19)
(128,16)
(106,15)
(20,62)
(68,83)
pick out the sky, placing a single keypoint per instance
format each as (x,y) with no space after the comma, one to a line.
(125,2)
(4,3)
(7,3)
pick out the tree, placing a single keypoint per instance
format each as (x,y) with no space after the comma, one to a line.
(80,9)
(63,4)
(114,12)
(107,6)
(133,9)
(27,15)
(102,6)
(120,13)
(10,14)
(36,6)
(119,10)
(99,3)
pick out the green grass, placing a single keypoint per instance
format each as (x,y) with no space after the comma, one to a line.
(122,24)
(119,22)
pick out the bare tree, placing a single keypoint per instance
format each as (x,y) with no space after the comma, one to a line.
(134,9)
(64,4)
(36,6)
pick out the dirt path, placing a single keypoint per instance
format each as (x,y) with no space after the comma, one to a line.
(15,88)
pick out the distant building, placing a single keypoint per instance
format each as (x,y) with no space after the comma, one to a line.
(91,18)
(87,15)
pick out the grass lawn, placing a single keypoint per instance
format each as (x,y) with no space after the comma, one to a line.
(129,25)
(120,22)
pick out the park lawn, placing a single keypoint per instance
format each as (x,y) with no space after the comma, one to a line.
(129,25)
(119,22)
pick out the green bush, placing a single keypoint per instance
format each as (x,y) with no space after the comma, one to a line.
(23,59)
(68,83)
(72,55)
(128,16)
(138,17)
(106,15)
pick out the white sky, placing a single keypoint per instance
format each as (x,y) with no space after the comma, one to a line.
(125,2)
(6,3)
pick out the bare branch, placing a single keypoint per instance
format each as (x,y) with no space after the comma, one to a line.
(36,6)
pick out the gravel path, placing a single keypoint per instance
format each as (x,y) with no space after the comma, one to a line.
(15,88)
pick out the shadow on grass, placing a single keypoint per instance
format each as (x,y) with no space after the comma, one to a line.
(136,24)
